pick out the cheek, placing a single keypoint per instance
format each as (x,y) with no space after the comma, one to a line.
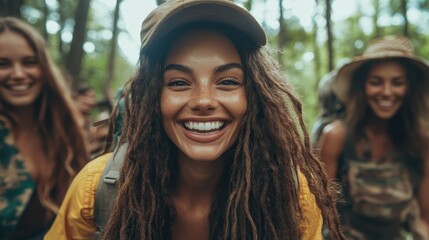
(369,90)
(3,74)
(402,91)
(165,106)
(171,105)
(237,103)
(35,73)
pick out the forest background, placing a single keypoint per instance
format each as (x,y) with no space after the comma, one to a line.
(84,42)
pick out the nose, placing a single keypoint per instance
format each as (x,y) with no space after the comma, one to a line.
(203,99)
(17,71)
(387,89)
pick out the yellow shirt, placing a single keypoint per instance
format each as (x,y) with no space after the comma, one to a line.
(75,219)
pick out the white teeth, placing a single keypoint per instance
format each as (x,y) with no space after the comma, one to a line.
(20,88)
(204,126)
(385,103)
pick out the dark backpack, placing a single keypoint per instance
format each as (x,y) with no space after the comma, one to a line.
(107,191)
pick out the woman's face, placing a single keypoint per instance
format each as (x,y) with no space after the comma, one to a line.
(386,88)
(20,72)
(203,100)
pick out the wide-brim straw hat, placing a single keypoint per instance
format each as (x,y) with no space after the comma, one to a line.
(379,49)
(176,13)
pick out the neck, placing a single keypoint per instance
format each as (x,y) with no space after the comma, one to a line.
(198,181)
(24,118)
(376,124)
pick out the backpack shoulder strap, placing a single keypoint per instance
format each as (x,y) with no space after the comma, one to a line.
(107,191)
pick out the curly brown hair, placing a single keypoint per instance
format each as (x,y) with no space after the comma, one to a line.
(258,196)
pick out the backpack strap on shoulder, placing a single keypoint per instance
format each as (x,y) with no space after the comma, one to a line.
(107,191)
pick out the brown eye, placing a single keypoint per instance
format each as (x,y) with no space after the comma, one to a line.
(374,82)
(4,63)
(229,81)
(30,62)
(399,82)
(177,83)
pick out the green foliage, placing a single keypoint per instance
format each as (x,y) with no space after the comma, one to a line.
(95,63)
(351,36)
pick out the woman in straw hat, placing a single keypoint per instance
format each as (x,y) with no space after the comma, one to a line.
(380,152)
(213,149)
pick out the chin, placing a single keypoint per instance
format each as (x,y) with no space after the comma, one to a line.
(205,154)
(204,157)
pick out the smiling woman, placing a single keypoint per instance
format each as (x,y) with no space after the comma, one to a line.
(41,140)
(203,87)
(213,149)
(381,153)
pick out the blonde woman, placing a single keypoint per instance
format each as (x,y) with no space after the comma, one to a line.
(41,141)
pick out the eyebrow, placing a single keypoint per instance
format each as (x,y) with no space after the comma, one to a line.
(178,67)
(186,69)
(226,67)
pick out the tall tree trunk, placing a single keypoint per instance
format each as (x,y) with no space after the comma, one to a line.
(282,34)
(61,22)
(45,21)
(112,54)
(330,35)
(75,57)
(11,8)
(317,62)
(159,2)
(376,29)
(404,9)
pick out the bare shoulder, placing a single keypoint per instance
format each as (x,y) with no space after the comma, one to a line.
(332,140)
(334,131)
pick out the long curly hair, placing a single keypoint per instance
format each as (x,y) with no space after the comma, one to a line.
(408,128)
(58,121)
(259,193)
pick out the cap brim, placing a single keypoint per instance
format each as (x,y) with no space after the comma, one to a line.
(223,12)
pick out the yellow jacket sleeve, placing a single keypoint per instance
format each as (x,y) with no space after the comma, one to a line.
(75,219)
(311,227)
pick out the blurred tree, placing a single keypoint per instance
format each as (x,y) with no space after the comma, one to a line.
(376,28)
(11,7)
(404,15)
(45,21)
(328,5)
(352,43)
(401,7)
(424,4)
(159,2)
(112,54)
(317,63)
(248,4)
(282,33)
(61,22)
(76,53)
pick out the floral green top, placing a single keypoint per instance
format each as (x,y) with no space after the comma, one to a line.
(16,183)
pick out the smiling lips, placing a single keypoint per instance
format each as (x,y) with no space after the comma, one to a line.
(204,131)
(204,126)
(385,103)
(18,87)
